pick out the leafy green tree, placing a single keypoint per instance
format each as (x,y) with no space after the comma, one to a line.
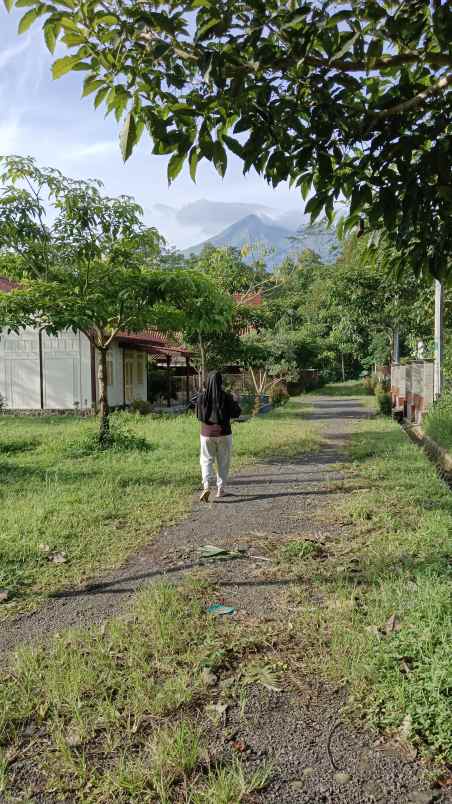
(345,102)
(241,281)
(274,356)
(360,303)
(100,272)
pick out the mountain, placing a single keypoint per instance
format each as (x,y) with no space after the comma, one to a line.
(263,231)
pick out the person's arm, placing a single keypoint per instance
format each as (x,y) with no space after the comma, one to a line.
(234,408)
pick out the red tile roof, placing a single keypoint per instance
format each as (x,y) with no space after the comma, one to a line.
(6,285)
(251,299)
(152,341)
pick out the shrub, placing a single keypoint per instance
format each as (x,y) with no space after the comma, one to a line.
(384,402)
(370,383)
(120,437)
(278,395)
(141,406)
(2,402)
(438,421)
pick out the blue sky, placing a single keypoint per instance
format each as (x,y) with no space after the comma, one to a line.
(48,120)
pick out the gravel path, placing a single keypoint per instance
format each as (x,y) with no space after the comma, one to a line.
(267,504)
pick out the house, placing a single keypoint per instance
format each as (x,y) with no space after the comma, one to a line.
(59,373)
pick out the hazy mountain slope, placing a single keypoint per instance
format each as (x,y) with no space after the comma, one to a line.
(259,229)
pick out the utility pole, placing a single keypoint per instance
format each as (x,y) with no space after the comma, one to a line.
(439,340)
(396,347)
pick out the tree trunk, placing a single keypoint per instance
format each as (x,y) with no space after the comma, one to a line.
(104,411)
(343,367)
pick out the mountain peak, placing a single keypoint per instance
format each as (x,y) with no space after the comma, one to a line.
(260,229)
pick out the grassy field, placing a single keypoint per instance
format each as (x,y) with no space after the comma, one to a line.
(58,497)
(438,421)
(385,629)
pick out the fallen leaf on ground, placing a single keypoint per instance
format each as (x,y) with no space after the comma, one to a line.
(342,778)
(374,630)
(392,624)
(4,595)
(398,745)
(216,711)
(44,548)
(239,745)
(74,738)
(406,727)
(57,558)
(209,678)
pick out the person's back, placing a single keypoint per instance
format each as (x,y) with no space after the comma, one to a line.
(215,408)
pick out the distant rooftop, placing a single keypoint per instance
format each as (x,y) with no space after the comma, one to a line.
(6,284)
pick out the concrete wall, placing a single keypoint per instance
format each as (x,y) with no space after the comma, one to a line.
(412,388)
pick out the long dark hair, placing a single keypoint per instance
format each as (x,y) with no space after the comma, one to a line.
(211,403)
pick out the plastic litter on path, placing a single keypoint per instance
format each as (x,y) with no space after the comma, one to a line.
(219,609)
(221,553)
(211,551)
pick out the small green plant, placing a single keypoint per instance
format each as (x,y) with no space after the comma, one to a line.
(384,402)
(231,785)
(120,437)
(438,421)
(370,383)
(278,396)
(298,548)
(141,406)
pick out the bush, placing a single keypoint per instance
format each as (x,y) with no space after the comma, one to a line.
(278,396)
(438,421)
(2,402)
(370,383)
(120,437)
(384,402)
(141,406)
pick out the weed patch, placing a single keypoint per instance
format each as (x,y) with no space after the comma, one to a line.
(118,711)
(386,629)
(438,421)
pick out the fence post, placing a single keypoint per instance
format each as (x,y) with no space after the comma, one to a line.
(439,338)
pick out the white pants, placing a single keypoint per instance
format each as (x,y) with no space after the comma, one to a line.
(215,450)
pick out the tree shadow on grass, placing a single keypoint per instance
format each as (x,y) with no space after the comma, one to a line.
(11,473)
(24,445)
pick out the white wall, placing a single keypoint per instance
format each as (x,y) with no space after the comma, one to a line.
(116,390)
(66,370)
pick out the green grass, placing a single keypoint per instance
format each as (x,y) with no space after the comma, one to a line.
(397,561)
(96,508)
(348,388)
(438,422)
(118,713)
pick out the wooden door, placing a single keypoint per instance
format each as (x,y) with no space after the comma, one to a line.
(129,376)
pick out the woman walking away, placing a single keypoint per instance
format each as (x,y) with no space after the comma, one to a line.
(215,408)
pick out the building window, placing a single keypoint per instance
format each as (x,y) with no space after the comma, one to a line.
(109,368)
(140,369)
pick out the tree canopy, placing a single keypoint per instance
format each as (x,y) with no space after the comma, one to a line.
(344,99)
(92,266)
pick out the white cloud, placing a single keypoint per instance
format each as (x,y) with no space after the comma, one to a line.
(95,149)
(10,135)
(11,53)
